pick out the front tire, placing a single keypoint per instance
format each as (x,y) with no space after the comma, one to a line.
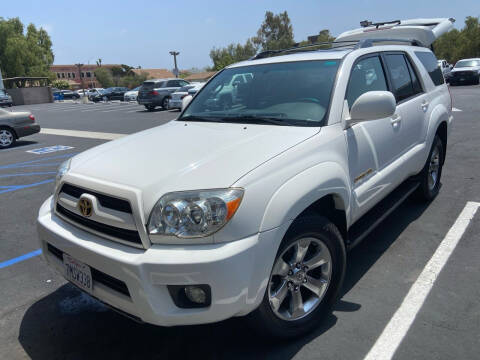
(150,107)
(305,281)
(7,137)
(432,172)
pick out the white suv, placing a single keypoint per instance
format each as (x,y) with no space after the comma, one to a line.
(250,207)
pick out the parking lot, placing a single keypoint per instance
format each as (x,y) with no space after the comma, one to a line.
(43,317)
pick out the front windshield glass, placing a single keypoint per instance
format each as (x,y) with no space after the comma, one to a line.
(294,93)
(467,63)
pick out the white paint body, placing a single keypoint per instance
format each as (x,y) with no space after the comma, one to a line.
(283,170)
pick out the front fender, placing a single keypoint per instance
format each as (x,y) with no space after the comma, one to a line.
(305,188)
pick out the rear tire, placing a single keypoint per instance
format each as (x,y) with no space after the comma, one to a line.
(314,281)
(432,172)
(7,137)
(165,103)
(150,107)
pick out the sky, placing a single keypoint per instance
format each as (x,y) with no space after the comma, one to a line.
(141,33)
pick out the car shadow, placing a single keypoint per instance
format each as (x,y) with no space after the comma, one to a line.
(21,143)
(69,324)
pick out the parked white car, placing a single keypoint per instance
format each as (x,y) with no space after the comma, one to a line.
(445,67)
(175,101)
(249,208)
(466,71)
(131,95)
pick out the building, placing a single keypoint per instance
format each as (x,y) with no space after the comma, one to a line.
(78,77)
(202,76)
(155,73)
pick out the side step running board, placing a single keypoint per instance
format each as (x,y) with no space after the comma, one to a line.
(378,213)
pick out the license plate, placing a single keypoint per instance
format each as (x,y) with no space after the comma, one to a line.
(78,273)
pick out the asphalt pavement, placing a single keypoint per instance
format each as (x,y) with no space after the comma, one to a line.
(43,317)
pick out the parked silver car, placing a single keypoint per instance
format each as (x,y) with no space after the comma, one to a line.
(176,98)
(5,99)
(14,125)
(157,92)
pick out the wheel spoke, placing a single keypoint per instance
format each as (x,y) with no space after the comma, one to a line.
(281,268)
(296,304)
(318,260)
(317,286)
(277,299)
(301,248)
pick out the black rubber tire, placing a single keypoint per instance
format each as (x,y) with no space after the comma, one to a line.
(424,193)
(477,81)
(165,101)
(264,321)
(13,135)
(150,107)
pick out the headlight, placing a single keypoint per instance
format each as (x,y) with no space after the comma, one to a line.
(62,170)
(190,214)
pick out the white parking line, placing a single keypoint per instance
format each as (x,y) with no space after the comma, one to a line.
(82,134)
(455,109)
(396,329)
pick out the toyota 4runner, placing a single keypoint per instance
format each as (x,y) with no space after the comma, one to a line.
(248,207)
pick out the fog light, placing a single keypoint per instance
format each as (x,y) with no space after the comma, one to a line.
(196,294)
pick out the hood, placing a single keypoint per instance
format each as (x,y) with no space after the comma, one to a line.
(187,155)
(470,68)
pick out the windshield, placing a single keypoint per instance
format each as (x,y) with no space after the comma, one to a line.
(467,63)
(294,93)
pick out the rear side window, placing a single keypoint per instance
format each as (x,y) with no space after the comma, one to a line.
(404,86)
(431,64)
(367,75)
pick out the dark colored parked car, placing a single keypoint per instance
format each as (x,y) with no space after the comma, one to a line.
(69,94)
(156,92)
(5,99)
(113,93)
(14,125)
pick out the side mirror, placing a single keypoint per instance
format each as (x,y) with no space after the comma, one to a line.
(186,100)
(372,105)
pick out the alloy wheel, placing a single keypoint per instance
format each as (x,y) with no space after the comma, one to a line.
(300,279)
(433,168)
(6,138)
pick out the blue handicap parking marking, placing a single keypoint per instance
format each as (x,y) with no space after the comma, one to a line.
(39,162)
(9,188)
(49,149)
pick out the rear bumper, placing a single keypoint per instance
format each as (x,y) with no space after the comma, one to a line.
(153,101)
(237,272)
(174,104)
(27,130)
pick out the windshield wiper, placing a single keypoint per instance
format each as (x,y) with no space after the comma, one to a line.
(201,118)
(255,119)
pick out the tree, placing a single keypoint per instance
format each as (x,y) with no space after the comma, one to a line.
(24,53)
(99,62)
(60,84)
(276,32)
(232,53)
(323,36)
(456,45)
(105,77)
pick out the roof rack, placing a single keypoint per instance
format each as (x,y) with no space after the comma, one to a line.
(353,44)
(366,23)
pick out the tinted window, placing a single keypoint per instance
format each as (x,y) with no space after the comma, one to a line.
(431,65)
(400,76)
(367,75)
(293,93)
(173,83)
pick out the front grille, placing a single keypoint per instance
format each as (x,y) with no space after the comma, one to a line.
(462,73)
(105,200)
(97,275)
(123,234)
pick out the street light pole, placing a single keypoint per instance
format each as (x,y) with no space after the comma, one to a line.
(80,74)
(175,53)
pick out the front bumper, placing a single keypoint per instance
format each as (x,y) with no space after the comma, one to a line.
(237,272)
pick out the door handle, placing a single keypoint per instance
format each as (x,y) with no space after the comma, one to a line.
(395,119)
(425,105)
